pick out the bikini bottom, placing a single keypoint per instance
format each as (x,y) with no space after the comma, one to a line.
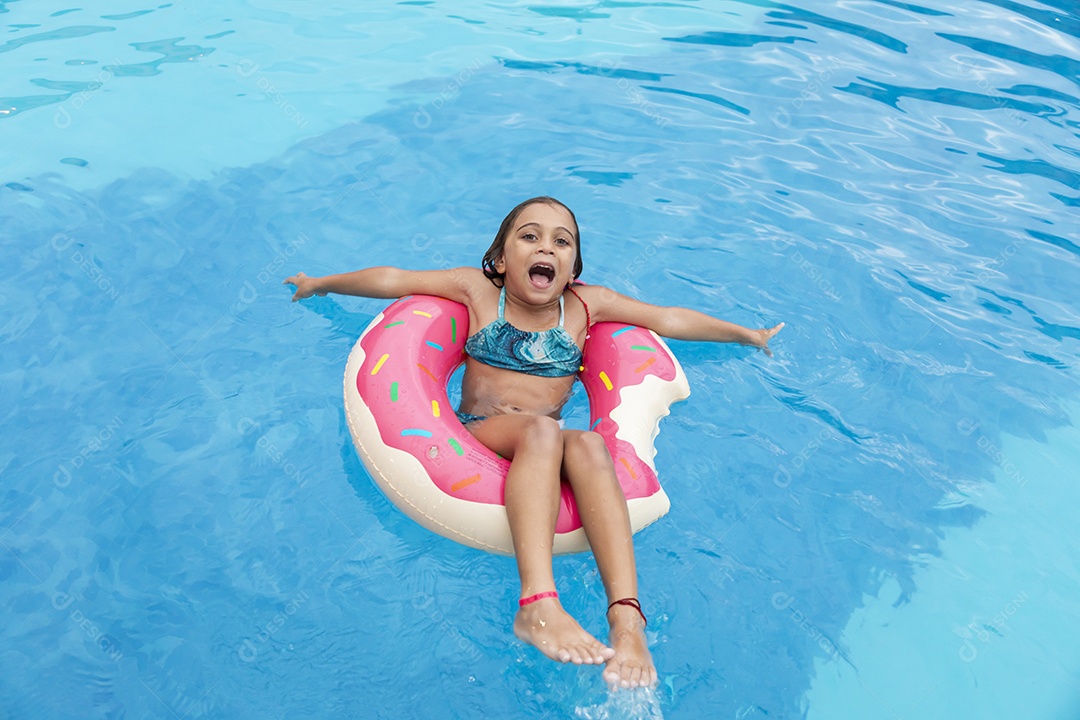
(465,418)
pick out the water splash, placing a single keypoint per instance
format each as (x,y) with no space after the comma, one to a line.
(637,704)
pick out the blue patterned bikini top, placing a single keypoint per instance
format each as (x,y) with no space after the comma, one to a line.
(547,353)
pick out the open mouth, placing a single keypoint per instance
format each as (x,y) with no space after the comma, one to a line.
(542,275)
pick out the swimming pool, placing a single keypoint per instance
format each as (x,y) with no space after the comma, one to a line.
(878,522)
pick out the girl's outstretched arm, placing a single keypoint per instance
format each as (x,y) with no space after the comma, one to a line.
(671,322)
(390,282)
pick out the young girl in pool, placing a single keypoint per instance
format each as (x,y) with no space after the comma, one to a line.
(529,323)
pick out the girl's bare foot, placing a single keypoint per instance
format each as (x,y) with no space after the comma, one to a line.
(545,625)
(632,665)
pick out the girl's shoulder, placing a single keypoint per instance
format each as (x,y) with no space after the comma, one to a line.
(606,305)
(467,273)
(480,293)
(469,283)
(590,294)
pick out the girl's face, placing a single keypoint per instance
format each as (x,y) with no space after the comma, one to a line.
(539,254)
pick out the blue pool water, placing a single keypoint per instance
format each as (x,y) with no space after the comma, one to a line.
(878,522)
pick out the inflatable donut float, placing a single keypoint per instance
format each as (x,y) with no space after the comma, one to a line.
(437,473)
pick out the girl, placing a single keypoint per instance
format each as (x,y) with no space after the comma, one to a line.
(529,323)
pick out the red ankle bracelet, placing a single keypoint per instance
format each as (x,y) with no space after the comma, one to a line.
(538,596)
(632,602)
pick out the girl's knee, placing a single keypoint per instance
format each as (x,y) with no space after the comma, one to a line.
(542,432)
(587,447)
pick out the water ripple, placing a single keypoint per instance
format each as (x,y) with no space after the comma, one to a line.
(1062,65)
(917,9)
(707,97)
(67,33)
(891,95)
(1055,240)
(1039,167)
(730,39)
(584,69)
(800,15)
(1065,20)
(170,51)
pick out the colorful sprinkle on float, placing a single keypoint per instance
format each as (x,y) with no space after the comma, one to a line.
(433,469)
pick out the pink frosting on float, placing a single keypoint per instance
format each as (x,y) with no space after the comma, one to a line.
(419,344)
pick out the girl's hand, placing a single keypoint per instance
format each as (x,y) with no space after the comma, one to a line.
(305,286)
(760,338)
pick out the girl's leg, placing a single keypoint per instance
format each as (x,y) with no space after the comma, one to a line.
(534,445)
(588,468)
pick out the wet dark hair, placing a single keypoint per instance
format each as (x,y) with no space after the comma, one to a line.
(499,243)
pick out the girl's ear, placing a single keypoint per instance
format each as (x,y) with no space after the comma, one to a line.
(500,264)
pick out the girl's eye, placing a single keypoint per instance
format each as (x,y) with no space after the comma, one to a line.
(529,236)
(563,241)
